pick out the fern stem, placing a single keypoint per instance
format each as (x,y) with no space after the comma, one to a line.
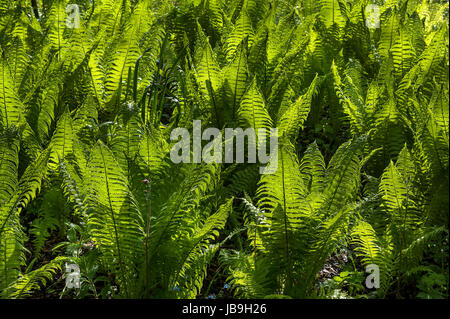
(285,221)
(149,212)
(35,8)
(116,233)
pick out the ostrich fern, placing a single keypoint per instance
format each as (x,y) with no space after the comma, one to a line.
(86,116)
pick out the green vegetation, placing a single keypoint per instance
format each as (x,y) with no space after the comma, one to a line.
(86,114)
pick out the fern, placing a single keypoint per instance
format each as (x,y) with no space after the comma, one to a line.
(11,106)
(33,280)
(252,112)
(87,111)
(114,220)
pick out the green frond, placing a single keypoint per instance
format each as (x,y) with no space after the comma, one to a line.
(284,187)
(126,54)
(11,107)
(252,111)
(125,140)
(11,234)
(250,276)
(365,238)
(27,189)
(330,233)
(152,150)
(47,106)
(114,220)
(198,253)
(56,25)
(27,283)
(243,30)
(235,77)
(373,251)
(9,162)
(214,13)
(11,249)
(330,12)
(399,200)
(312,169)
(416,249)
(178,211)
(389,31)
(403,53)
(258,58)
(342,177)
(62,140)
(208,73)
(296,115)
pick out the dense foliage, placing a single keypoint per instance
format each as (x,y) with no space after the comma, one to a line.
(86,113)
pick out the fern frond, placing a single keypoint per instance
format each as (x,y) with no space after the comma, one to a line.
(252,111)
(373,251)
(11,108)
(342,177)
(11,234)
(62,140)
(312,169)
(9,162)
(57,25)
(152,150)
(198,253)
(295,116)
(208,75)
(114,220)
(330,233)
(250,276)
(331,14)
(33,280)
(242,30)
(389,31)
(126,138)
(285,187)
(235,77)
(403,53)
(11,237)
